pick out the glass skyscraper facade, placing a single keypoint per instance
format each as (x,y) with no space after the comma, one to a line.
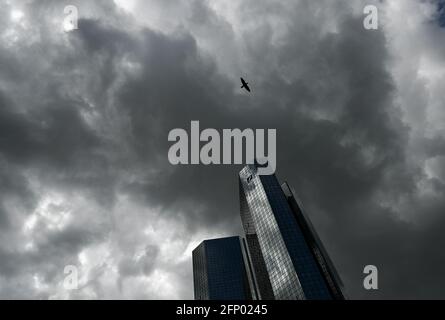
(221,270)
(284,242)
(316,246)
(281,256)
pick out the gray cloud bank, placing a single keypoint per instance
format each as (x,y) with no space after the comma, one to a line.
(85,115)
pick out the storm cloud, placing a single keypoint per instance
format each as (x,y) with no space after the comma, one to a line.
(85,115)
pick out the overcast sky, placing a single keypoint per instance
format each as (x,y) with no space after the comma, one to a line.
(84,119)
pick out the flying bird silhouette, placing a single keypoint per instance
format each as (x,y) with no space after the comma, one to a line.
(245,85)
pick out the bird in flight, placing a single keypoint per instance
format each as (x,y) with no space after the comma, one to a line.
(245,85)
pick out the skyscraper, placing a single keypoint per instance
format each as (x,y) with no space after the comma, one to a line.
(259,270)
(288,259)
(327,267)
(221,270)
(280,258)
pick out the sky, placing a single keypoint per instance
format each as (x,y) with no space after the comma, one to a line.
(85,115)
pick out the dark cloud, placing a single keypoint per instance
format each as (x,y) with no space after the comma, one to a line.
(441,12)
(84,147)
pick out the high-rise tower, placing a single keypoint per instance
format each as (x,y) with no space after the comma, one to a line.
(288,259)
(221,270)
